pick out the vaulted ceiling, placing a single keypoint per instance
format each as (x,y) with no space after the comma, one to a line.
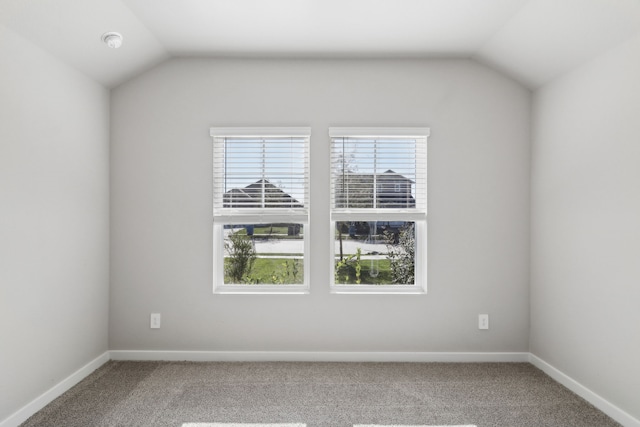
(531,40)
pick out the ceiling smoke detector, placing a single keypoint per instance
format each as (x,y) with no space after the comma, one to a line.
(113,40)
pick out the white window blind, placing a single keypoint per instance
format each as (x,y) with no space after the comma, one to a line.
(378,170)
(260,174)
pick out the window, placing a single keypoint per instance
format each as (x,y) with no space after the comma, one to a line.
(379,209)
(260,209)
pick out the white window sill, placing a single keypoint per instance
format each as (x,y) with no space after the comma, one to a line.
(378,290)
(261,290)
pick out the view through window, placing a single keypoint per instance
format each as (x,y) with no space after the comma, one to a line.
(378,208)
(260,209)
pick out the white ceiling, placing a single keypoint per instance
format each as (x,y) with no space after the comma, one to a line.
(530,40)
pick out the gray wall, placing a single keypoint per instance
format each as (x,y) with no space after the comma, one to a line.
(54,221)
(161,244)
(585,262)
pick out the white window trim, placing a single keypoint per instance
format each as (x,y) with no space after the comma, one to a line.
(417,215)
(219,287)
(264,216)
(420,286)
(372,132)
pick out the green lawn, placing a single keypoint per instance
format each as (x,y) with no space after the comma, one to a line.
(269,231)
(287,271)
(278,271)
(347,274)
(261,231)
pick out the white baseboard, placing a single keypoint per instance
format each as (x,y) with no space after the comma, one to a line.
(48,396)
(322,356)
(596,400)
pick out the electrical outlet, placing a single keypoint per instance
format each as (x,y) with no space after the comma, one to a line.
(483,321)
(155,320)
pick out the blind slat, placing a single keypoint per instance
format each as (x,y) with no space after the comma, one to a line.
(260,169)
(378,173)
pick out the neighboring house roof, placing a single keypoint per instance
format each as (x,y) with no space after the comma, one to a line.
(393,190)
(387,175)
(394,176)
(253,196)
(237,193)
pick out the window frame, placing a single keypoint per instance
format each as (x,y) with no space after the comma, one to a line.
(417,215)
(225,216)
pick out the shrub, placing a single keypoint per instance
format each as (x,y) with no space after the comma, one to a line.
(401,250)
(242,255)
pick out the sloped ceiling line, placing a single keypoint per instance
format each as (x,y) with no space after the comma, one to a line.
(533,41)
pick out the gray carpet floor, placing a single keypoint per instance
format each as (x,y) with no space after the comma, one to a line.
(318,395)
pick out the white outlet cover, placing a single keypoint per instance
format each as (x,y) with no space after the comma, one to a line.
(155,321)
(483,321)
